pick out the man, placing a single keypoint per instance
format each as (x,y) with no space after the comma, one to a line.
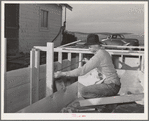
(103,63)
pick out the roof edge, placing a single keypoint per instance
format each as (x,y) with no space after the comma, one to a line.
(67,6)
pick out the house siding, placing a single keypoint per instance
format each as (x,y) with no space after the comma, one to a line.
(30,33)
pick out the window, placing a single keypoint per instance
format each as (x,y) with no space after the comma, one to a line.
(44,19)
(118,37)
(114,36)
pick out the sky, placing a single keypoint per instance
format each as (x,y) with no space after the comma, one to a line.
(106,18)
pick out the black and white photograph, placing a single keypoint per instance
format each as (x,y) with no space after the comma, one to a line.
(74,60)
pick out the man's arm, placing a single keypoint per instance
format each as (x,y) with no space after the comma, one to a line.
(90,65)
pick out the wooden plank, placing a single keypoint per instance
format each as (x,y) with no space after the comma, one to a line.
(43,68)
(18,98)
(113,52)
(111,100)
(41,48)
(49,69)
(17,77)
(42,88)
(53,103)
(109,50)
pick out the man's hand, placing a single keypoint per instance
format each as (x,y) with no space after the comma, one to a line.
(57,74)
(85,60)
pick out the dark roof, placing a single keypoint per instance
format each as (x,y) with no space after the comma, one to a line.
(67,6)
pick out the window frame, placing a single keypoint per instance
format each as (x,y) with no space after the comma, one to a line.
(40,18)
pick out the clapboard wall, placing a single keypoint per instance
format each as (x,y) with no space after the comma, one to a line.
(30,31)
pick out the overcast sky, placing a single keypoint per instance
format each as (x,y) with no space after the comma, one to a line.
(106,18)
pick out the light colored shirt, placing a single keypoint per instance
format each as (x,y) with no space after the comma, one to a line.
(103,62)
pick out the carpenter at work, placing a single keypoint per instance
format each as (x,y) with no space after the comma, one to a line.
(102,61)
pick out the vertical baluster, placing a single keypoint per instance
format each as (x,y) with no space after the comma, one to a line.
(69,59)
(80,58)
(60,57)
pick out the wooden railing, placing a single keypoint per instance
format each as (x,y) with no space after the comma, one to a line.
(64,49)
(22,81)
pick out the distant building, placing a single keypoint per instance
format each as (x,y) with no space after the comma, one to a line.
(28,25)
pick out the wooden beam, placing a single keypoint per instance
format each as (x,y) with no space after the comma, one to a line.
(111,100)
(55,102)
(84,49)
(69,43)
(49,69)
(113,52)
(41,48)
(115,46)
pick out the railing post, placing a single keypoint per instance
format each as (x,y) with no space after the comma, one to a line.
(36,83)
(49,69)
(80,58)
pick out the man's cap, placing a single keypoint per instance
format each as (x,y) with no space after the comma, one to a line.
(93,39)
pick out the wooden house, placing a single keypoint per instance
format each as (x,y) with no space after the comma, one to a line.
(28,25)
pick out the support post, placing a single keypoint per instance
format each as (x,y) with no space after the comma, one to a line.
(49,69)
(32,58)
